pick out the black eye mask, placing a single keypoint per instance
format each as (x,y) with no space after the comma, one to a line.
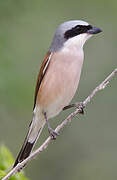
(79,29)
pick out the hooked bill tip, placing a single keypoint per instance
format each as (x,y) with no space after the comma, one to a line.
(94,30)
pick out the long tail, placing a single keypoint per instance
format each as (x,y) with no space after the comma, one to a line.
(34,132)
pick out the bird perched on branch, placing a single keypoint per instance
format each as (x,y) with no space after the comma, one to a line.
(58,79)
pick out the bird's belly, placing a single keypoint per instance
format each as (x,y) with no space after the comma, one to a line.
(59,86)
(67,93)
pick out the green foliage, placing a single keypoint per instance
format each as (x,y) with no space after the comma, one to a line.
(2,174)
(6,162)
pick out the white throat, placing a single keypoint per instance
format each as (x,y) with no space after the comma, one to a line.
(77,41)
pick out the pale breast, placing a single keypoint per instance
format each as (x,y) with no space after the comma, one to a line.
(60,82)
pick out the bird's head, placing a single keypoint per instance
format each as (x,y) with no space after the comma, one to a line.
(73,32)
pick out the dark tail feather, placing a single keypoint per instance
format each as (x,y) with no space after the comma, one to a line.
(26,148)
(24,153)
(34,132)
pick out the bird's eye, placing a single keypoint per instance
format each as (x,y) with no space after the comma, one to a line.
(83,29)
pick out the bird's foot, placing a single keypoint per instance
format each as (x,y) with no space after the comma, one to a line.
(52,133)
(79,105)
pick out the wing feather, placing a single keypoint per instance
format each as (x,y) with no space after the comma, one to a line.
(41,74)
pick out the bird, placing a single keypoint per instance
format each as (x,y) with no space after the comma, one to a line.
(58,79)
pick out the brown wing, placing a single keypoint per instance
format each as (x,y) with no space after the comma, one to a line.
(41,74)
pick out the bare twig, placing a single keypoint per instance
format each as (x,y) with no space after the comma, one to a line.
(59,127)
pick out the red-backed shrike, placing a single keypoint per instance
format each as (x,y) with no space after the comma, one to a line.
(58,78)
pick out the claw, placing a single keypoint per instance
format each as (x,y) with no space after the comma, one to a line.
(81,107)
(52,133)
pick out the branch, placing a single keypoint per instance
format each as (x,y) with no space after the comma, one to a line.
(59,127)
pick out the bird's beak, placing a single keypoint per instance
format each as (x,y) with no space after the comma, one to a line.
(94,30)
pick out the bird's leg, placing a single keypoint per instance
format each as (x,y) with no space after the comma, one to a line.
(52,133)
(79,105)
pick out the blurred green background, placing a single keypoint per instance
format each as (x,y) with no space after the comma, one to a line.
(87,148)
